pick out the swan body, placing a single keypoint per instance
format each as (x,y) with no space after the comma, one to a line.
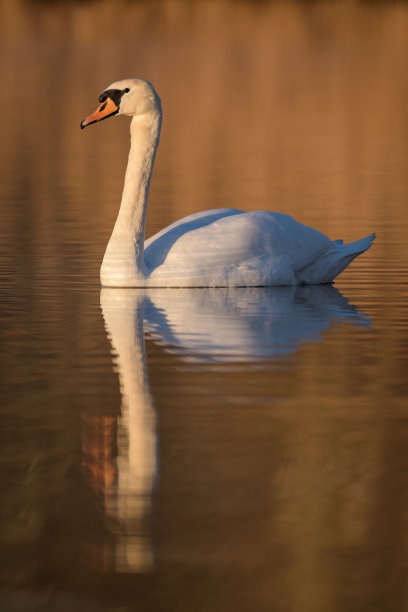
(214,248)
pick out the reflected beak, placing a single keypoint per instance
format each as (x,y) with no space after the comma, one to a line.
(105,110)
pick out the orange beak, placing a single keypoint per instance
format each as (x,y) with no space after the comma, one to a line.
(105,110)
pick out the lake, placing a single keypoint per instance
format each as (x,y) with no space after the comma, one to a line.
(204,449)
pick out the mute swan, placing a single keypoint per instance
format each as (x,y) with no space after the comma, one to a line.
(215,248)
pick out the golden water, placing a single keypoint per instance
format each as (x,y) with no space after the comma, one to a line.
(265,467)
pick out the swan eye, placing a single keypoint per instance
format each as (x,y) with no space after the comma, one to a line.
(114,94)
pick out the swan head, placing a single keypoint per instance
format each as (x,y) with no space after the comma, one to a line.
(131,97)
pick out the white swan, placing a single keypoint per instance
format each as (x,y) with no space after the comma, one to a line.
(215,248)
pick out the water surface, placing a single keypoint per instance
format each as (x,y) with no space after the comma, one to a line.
(204,449)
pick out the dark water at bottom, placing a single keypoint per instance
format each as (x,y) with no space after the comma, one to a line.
(240,449)
(206,450)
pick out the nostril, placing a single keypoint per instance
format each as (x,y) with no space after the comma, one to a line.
(103,107)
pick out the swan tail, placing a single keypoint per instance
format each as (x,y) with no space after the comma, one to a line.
(330,264)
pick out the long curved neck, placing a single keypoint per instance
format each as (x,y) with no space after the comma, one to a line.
(123,263)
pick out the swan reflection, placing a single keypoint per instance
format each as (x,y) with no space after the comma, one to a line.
(203,325)
(243,324)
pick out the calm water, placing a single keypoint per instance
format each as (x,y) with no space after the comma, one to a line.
(203,450)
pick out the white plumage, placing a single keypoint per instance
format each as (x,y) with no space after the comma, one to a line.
(214,248)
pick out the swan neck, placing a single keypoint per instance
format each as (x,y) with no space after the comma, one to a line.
(144,139)
(123,263)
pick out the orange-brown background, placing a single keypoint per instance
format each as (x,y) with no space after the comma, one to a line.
(291,495)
